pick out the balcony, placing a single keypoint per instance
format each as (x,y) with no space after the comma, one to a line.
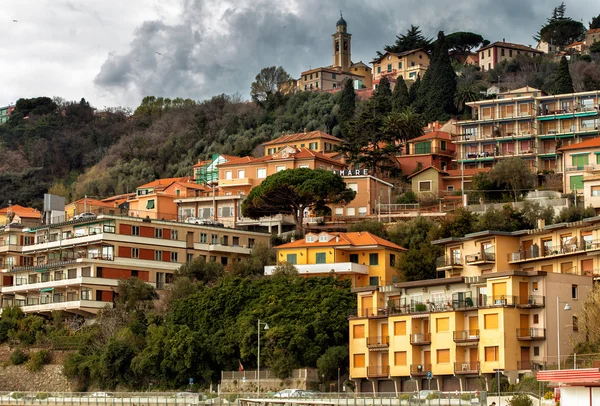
(530,365)
(466,367)
(480,258)
(378,371)
(420,369)
(378,342)
(235,182)
(447,262)
(420,338)
(500,301)
(326,269)
(430,150)
(531,334)
(531,302)
(466,336)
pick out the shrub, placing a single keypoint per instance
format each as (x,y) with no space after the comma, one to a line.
(18,357)
(520,400)
(38,360)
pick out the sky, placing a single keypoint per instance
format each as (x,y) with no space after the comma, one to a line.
(115,52)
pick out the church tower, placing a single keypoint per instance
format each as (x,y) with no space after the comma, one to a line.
(341,45)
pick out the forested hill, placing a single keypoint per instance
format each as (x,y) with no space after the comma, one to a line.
(74,149)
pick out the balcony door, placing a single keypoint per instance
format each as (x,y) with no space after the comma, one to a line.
(523,292)
(524,322)
(473,355)
(426,360)
(384,332)
(473,326)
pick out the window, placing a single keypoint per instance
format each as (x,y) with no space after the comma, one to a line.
(399,65)
(189,257)
(271,151)
(358,331)
(596,190)
(374,281)
(228,175)
(362,211)
(353,186)
(575,324)
(442,324)
(400,358)
(339,211)
(374,259)
(334,85)
(490,321)
(311,75)
(310,238)
(150,204)
(400,328)
(425,186)
(450,188)
(203,238)
(350,211)
(443,356)
(280,168)
(502,51)
(379,69)
(313,145)
(354,258)
(174,234)
(423,147)
(389,67)
(214,239)
(291,259)
(303,166)
(359,360)
(135,253)
(491,354)
(392,260)
(534,286)
(580,161)
(235,242)
(576,182)
(510,52)
(135,230)
(261,173)
(333,76)
(536,319)
(158,233)
(224,261)
(321,258)
(317,85)
(574,291)
(173,257)
(158,255)
(412,64)
(241,174)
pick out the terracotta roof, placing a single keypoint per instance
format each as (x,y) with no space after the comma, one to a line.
(301,153)
(162,182)
(90,201)
(399,54)
(118,197)
(286,139)
(356,239)
(468,172)
(239,160)
(511,45)
(191,185)
(433,134)
(202,163)
(360,63)
(23,212)
(591,143)
(425,169)
(594,31)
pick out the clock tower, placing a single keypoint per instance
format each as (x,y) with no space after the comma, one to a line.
(341,45)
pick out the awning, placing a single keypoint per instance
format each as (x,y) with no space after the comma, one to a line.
(580,153)
(42,270)
(150,204)
(47,290)
(566,136)
(420,316)
(591,375)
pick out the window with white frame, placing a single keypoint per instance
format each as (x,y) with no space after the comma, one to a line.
(241,174)
(362,211)
(350,211)
(310,238)
(353,186)
(228,175)
(339,211)
(303,166)
(424,186)
(261,173)
(450,188)
(323,238)
(280,168)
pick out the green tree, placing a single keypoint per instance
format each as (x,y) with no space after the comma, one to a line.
(463,41)
(413,39)
(382,98)
(595,48)
(400,95)
(507,219)
(574,213)
(347,104)
(295,190)
(461,223)
(595,23)
(334,359)
(515,174)
(520,400)
(465,93)
(588,316)
(374,227)
(564,83)
(402,126)
(268,82)
(202,271)
(414,89)
(560,30)
(135,294)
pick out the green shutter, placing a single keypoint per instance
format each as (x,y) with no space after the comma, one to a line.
(423,148)
(291,259)
(576,182)
(150,204)
(321,258)
(580,161)
(373,259)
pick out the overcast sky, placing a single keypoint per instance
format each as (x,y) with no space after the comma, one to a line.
(114,52)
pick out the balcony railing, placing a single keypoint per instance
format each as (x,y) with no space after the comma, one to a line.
(378,342)
(466,336)
(530,365)
(500,301)
(466,367)
(447,261)
(420,338)
(378,371)
(430,150)
(480,258)
(420,369)
(531,301)
(531,334)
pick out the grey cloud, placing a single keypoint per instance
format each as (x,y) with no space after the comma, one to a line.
(219,46)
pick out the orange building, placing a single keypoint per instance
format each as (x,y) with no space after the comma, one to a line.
(21,215)
(313,140)
(89,205)
(431,149)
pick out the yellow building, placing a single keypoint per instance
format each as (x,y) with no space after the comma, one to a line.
(409,65)
(364,258)
(313,140)
(493,306)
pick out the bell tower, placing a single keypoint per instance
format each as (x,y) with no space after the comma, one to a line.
(341,45)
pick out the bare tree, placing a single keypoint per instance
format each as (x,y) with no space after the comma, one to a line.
(267,82)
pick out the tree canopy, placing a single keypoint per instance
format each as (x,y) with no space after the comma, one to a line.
(413,39)
(595,23)
(268,82)
(463,41)
(293,191)
(564,82)
(559,29)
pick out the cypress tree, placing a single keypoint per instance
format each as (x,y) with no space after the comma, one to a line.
(414,89)
(400,96)
(441,84)
(382,98)
(347,104)
(564,82)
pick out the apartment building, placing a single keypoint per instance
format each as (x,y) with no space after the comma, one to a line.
(493,54)
(581,170)
(371,194)
(527,124)
(493,306)
(363,258)
(409,65)
(75,266)
(434,148)
(313,140)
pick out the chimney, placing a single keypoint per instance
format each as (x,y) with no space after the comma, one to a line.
(304,130)
(292,238)
(503,40)
(337,238)
(541,223)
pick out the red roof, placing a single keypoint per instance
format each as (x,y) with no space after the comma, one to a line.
(239,160)
(433,134)
(510,45)
(162,182)
(594,31)
(585,375)
(423,170)
(591,143)
(286,139)
(356,239)
(90,201)
(467,171)
(23,212)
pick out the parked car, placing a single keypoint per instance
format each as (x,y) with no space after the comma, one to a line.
(288,393)
(85,216)
(209,222)
(193,220)
(427,395)
(310,394)
(101,395)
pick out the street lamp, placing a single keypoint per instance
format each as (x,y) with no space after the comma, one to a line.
(567,308)
(258,360)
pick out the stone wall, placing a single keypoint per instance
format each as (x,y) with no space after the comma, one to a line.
(49,379)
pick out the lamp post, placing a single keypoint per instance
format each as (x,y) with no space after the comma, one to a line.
(258,359)
(567,308)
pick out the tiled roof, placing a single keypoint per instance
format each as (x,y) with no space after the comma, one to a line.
(286,139)
(202,163)
(591,143)
(398,54)
(162,182)
(511,45)
(301,153)
(433,134)
(356,239)
(594,31)
(90,201)
(239,160)
(467,172)
(423,170)
(24,212)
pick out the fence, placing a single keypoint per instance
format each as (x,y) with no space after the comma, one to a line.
(304,373)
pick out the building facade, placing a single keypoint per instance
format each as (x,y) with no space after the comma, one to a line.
(434,148)
(363,258)
(5,113)
(312,140)
(409,65)
(75,266)
(493,306)
(371,194)
(493,54)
